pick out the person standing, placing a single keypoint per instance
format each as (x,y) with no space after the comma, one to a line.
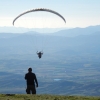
(32,82)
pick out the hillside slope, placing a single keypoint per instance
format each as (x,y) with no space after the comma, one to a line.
(45,97)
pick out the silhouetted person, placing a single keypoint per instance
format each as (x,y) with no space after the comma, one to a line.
(39,54)
(31,81)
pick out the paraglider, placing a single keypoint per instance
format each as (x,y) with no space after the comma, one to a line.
(39,54)
(35,10)
(40,9)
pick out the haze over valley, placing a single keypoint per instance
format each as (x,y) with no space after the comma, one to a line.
(70,63)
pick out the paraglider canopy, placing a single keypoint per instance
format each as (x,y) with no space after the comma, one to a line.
(39,9)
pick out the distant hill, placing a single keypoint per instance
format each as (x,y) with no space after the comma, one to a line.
(78,40)
(69,32)
(78,31)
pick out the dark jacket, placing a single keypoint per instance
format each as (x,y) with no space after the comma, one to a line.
(31,79)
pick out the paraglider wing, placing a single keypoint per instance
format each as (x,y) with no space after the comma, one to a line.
(41,9)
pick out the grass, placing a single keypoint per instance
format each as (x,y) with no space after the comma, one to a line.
(45,97)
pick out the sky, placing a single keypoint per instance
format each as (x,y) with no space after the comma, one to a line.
(78,13)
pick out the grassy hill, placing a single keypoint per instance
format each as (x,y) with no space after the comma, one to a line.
(45,97)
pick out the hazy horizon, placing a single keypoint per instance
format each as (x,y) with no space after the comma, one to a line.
(12,29)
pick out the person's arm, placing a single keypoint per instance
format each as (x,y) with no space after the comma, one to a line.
(25,76)
(36,81)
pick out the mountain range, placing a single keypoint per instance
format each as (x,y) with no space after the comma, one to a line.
(70,40)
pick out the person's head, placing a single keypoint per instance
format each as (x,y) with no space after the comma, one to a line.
(30,69)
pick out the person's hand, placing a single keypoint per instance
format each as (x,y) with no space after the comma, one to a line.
(36,85)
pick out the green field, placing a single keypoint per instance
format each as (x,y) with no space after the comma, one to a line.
(45,97)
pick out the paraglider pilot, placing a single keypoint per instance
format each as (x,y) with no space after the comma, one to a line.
(39,54)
